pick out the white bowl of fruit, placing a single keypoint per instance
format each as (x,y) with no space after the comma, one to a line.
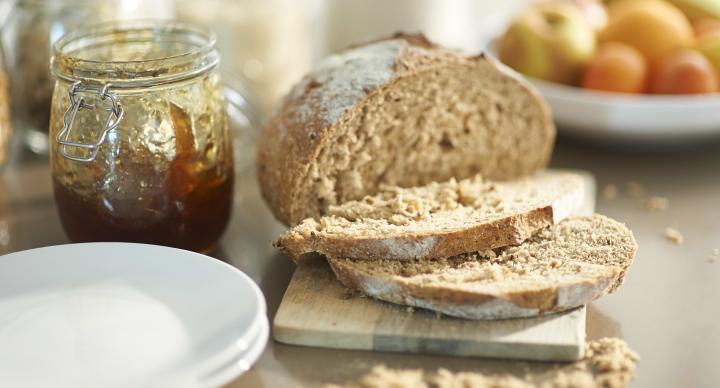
(631,70)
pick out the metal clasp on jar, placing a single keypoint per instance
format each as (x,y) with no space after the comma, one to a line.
(77,103)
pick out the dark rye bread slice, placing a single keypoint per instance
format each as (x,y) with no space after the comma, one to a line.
(399,111)
(565,266)
(440,219)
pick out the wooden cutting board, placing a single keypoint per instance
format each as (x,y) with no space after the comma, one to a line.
(319,311)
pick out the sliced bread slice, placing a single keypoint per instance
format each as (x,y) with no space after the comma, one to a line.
(564,266)
(440,219)
(399,111)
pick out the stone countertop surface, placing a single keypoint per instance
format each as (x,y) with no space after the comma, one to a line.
(668,310)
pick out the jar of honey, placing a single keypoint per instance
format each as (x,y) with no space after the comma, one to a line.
(141,150)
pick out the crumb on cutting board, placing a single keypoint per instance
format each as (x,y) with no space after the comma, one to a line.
(674,236)
(608,362)
(349,293)
(609,192)
(656,203)
(410,310)
(634,189)
(380,376)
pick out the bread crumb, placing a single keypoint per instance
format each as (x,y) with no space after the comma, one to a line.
(673,235)
(608,362)
(609,192)
(380,376)
(656,203)
(634,189)
(410,310)
(349,293)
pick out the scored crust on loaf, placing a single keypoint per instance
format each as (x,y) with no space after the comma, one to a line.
(440,219)
(398,111)
(564,266)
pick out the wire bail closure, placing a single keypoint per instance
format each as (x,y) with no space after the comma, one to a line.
(77,103)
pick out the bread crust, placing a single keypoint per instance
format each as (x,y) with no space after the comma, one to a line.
(471,236)
(479,306)
(496,304)
(293,138)
(436,244)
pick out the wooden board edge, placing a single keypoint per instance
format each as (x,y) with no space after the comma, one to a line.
(494,350)
(302,336)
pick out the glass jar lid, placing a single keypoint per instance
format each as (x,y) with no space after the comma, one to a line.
(134,54)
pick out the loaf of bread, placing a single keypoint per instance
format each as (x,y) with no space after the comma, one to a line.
(439,219)
(398,111)
(564,266)
(352,159)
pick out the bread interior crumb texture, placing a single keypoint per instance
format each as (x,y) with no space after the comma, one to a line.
(449,121)
(446,206)
(572,251)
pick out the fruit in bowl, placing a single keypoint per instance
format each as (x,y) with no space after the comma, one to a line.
(709,46)
(684,72)
(705,27)
(550,41)
(595,13)
(631,46)
(698,9)
(616,67)
(654,27)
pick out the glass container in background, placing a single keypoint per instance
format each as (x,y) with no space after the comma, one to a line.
(244,122)
(268,42)
(461,24)
(5,122)
(141,150)
(27,37)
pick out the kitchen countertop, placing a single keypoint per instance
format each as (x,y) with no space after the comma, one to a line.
(668,310)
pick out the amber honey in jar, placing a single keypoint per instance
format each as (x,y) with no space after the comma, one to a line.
(141,150)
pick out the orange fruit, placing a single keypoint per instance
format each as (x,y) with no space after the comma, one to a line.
(706,26)
(683,72)
(616,67)
(653,27)
(709,46)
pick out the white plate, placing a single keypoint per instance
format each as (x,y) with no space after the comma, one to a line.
(239,364)
(116,314)
(632,118)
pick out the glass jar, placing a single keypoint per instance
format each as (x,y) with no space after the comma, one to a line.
(142,151)
(27,37)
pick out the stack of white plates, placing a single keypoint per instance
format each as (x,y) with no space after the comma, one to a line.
(126,315)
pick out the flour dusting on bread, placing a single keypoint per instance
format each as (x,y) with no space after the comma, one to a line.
(340,81)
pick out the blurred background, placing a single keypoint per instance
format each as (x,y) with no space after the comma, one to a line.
(267,45)
(618,71)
